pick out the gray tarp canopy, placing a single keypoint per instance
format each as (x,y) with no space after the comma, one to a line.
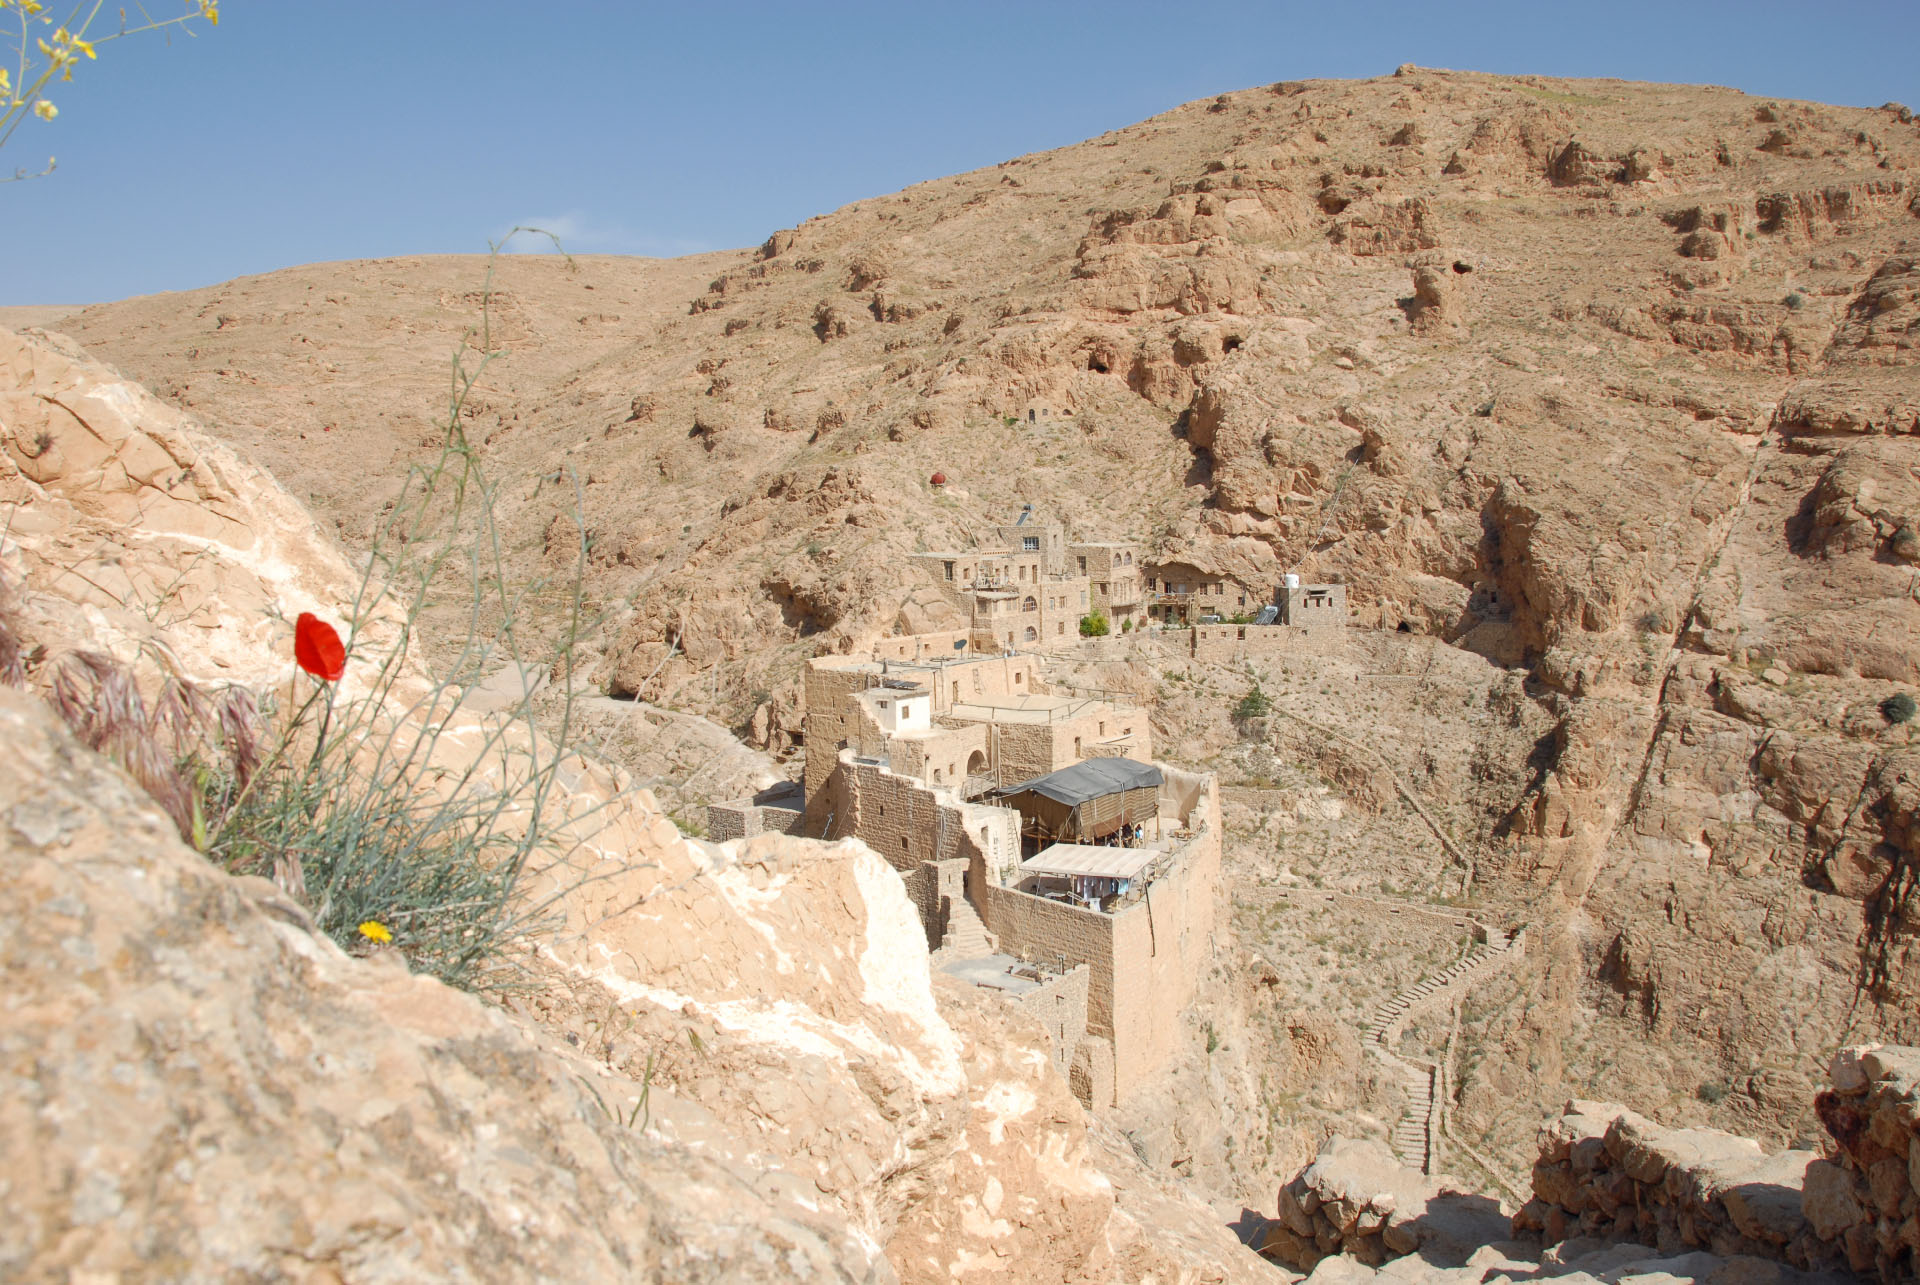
(1090,779)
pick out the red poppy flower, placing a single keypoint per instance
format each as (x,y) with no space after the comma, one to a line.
(317,648)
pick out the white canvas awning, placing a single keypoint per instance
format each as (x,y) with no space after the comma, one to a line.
(1089,861)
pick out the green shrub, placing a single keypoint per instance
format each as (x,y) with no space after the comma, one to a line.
(1898,708)
(1094,625)
(1255,704)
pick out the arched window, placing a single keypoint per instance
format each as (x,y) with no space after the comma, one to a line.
(1033,635)
(1029,605)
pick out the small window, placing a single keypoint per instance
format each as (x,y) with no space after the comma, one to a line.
(949,567)
(1102,586)
(903,843)
(1030,543)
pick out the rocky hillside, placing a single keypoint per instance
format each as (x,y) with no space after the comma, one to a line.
(715,1063)
(1607,388)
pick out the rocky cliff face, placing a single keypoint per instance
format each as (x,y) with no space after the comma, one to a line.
(725,1063)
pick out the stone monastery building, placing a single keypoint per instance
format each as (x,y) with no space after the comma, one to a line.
(1031,588)
(1050,857)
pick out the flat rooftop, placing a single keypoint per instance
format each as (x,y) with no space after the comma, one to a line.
(1025,709)
(1090,861)
(901,669)
(995,971)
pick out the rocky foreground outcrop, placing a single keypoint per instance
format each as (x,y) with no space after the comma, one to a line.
(199,1086)
(1606,1172)
(1358,1201)
(1374,1220)
(1617,1197)
(727,1062)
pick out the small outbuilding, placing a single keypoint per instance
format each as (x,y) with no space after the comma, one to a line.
(1092,800)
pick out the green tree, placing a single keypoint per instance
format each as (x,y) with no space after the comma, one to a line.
(1093,625)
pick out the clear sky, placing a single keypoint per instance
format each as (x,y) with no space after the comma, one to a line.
(300,131)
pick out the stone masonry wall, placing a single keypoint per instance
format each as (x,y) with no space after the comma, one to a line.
(742,819)
(902,821)
(937,646)
(1060,1003)
(1227,644)
(940,758)
(923,890)
(1604,1171)
(1051,932)
(1162,944)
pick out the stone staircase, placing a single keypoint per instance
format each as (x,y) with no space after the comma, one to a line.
(1415,1133)
(967,937)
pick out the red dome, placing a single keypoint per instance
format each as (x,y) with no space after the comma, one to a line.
(939,479)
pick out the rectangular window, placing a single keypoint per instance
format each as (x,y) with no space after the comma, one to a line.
(949,567)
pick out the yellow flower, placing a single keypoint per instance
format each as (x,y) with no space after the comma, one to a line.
(374,930)
(210,11)
(45,110)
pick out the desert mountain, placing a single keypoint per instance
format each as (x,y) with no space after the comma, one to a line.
(1600,397)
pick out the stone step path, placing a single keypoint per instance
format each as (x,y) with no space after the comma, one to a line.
(967,937)
(1413,1133)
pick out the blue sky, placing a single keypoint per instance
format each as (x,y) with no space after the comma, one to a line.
(301,131)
